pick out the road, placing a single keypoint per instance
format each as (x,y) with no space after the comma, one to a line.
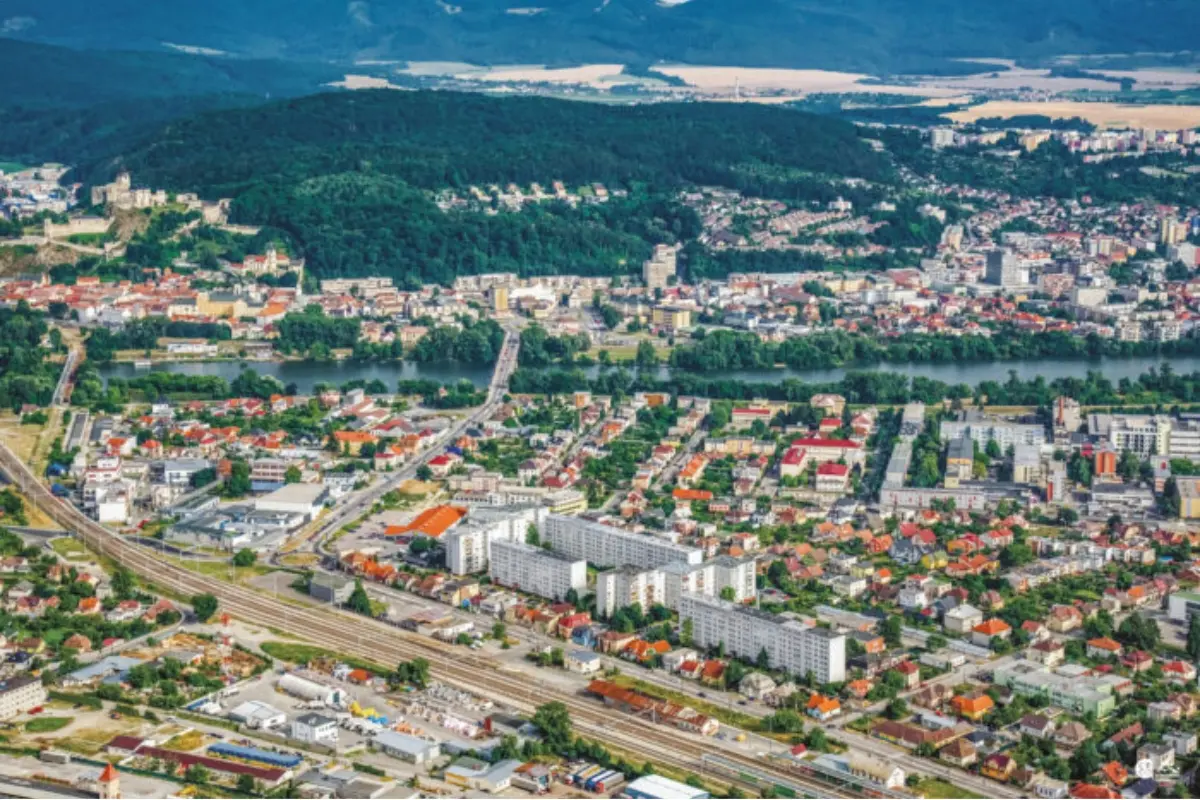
(64,379)
(40,533)
(680,459)
(360,503)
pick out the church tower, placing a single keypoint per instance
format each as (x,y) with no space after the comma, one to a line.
(109,785)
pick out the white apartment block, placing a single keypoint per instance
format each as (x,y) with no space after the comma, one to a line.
(365,287)
(624,586)
(607,546)
(739,574)
(710,578)
(1185,437)
(536,571)
(468,545)
(1002,433)
(1141,433)
(680,579)
(747,631)
(18,695)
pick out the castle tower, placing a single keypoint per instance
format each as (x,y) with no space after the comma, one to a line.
(109,785)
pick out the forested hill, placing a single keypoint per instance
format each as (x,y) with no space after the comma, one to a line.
(348,177)
(439,139)
(58,104)
(44,76)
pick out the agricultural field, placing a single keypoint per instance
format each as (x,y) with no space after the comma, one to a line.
(1103,115)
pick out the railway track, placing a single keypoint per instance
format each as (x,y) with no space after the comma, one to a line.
(369,639)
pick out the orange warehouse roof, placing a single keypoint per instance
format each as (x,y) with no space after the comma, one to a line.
(692,494)
(432,522)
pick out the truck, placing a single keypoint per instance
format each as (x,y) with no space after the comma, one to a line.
(596,782)
(581,778)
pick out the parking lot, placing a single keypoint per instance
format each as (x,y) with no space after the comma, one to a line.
(369,535)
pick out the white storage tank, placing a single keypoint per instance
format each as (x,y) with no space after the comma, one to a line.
(310,690)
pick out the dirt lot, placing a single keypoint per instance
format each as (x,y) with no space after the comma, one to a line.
(87,732)
(21,439)
(415,487)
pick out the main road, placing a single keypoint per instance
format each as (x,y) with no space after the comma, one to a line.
(361,502)
(366,638)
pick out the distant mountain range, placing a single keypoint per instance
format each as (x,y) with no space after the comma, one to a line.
(875,36)
(43,76)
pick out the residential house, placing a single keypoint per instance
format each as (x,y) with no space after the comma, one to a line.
(1164,711)
(961,753)
(823,708)
(982,634)
(963,619)
(1064,619)
(973,705)
(998,767)
(1050,652)
(1160,756)
(1072,734)
(1103,647)
(1038,726)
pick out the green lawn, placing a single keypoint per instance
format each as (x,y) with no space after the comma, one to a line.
(11,166)
(222,570)
(938,789)
(47,724)
(88,239)
(69,548)
(303,653)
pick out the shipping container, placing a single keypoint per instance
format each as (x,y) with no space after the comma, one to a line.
(580,778)
(596,784)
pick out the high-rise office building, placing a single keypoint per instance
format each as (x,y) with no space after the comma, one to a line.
(660,268)
(1003,269)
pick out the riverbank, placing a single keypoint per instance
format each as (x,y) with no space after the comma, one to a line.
(1159,385)
(307,374)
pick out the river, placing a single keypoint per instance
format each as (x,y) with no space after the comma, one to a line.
(306,374)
